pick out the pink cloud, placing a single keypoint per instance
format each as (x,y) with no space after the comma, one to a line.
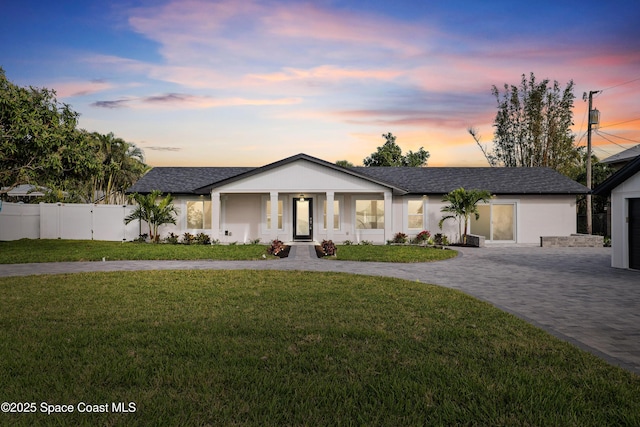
(326,73)
(189,102)
(81,88)
(308,21)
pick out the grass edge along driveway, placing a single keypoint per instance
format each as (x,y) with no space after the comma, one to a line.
(51,250)
(291,348)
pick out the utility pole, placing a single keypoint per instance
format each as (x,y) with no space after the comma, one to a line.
(591,121)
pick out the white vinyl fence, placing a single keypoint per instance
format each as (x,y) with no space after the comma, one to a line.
(66,221)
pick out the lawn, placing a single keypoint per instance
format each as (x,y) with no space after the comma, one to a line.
(289,348)
(25,250)
(395,253)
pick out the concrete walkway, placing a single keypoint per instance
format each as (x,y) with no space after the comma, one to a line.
(572,293)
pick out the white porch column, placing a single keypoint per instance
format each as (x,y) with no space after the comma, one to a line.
(330,213)
(274,215)
(215,215)
(388,215)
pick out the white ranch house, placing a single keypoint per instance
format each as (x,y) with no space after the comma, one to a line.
(305,198)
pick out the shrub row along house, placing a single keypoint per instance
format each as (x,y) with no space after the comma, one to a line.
(306,198)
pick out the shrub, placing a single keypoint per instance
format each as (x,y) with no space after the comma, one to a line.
(347,243)
(188,238)
(328,247)
(172,239)
(276,247)
(440,239)
(142,238)
(422,237)
(203,239)
(400,238)
(365,243)
(255,241)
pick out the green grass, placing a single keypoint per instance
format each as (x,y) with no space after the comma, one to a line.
(290,348)
(25,250)
(392,253)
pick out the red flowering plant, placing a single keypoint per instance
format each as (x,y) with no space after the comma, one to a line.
(422,237)
(276,247)
(328,247)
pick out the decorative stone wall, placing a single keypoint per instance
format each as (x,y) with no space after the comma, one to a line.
(573,241)
(474,240)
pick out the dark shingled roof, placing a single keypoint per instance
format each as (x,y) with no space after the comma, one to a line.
(429,180)
(183,180)
(432,180)
(630,169)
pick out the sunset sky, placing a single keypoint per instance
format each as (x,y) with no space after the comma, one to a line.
(245,83)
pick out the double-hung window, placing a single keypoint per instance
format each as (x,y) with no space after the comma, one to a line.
(415,219)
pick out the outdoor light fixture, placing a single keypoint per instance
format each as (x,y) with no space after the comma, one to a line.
(302,197)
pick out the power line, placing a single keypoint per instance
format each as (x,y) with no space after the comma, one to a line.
(621,84)
(620,123)
(619,137)
(602,149)
(613,142)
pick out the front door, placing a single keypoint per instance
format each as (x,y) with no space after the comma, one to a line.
(303,219)
(634,234)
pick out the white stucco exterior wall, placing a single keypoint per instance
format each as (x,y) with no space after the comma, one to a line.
(537,216)
(619,216)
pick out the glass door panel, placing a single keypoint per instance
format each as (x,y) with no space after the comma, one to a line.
(502,222)
(303,218)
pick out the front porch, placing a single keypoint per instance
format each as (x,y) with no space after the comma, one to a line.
(298,216)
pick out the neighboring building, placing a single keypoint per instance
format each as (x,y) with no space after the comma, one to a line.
(617,161)
(623,187)
(305,198)
(21,193)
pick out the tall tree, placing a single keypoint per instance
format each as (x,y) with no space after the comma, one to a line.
(344,163)
(461,205)
(39,142)
(390,154)
(532,126)
(121,165)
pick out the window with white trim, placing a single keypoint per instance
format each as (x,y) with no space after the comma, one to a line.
(415,212)
(369,214)
(268,213)
(199,214)
(336,214)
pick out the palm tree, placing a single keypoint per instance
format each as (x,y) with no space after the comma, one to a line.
(121,165)
(153,214)
(462,204)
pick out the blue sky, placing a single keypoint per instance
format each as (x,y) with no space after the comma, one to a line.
(249,82)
